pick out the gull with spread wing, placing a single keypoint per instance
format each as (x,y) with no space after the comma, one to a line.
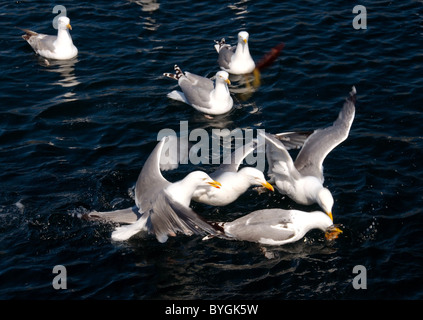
(302,179)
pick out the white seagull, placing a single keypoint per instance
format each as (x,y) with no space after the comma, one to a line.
(235,59)
(58,47)
(303,179)
(162,207)
(201,93)
(278,226)
(234,182)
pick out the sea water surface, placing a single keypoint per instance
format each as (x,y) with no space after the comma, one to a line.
(75,134)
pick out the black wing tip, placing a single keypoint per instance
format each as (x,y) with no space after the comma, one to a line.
(178,73)
(170,75)
(196,223)
(220,42)
(353,95)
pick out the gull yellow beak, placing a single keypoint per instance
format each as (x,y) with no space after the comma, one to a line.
(267,185)
(332,233)
(330,215)
(69,26)
(215,184)
(228,81)
(245,40)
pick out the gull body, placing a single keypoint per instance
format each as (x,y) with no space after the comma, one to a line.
(162,208)
(58,47)
(201,93)
(235,59)
(278,226)
(234,181)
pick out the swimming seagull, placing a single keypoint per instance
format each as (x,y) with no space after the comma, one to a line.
(235,59)
(58,47)
(234,182)
(162,206)
(278,226)
(303,179)
(201,93)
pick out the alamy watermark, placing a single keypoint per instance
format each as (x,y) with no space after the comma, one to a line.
(60,281)
(360,280)
(360,20)
(62,13)
(199,147)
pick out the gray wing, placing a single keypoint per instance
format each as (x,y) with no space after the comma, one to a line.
(233,161)
(165,218)
(39,41)
(225,56)
(196,89)
(274,224)
(169,217)
(280,162)
(126,216)
(174,151)
(293,140)
(310,159)
(199,81)
(150,180)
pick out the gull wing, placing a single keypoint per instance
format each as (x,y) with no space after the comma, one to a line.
(268,224)
(196,89)
(225,56)
(310,159)
(235,159)
(39,41)
(171,216)
(281,166)
(150,180)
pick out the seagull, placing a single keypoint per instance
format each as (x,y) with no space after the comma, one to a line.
(303,179)
(58,47)
(235,60)
(234,182)
(161,207)
(277,226)
(201,93)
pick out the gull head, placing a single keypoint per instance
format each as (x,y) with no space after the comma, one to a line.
(223,76)
(243,37)
(63,23)
(325,201)
(200,178)
(256,177)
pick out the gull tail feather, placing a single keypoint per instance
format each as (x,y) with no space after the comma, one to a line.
(127,216)
(219,44)
(28,34)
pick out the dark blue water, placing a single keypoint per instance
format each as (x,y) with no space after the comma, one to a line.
(74,136)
